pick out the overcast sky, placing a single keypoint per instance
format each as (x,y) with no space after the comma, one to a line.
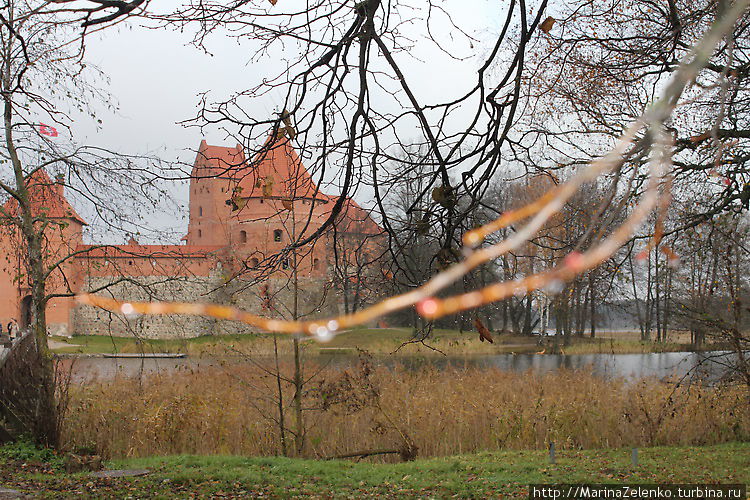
(156,78)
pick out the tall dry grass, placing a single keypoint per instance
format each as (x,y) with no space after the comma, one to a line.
(230,411)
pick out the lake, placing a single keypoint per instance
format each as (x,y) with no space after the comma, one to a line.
(709,366)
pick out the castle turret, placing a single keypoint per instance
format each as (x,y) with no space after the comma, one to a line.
(211,185)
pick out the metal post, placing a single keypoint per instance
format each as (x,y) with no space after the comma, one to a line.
(552,452)
(634,457)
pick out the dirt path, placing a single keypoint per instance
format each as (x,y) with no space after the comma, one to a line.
(54,344)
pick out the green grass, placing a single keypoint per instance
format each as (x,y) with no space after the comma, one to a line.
(482,475)
(374,340)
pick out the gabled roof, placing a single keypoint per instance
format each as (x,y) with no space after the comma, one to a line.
(278,171)
(47,199)
(218,161)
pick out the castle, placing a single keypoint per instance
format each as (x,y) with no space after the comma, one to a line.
(243,215)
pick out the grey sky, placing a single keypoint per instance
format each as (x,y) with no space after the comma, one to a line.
(156,77)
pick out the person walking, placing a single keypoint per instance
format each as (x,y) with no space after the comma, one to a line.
(13,329)
(5,338)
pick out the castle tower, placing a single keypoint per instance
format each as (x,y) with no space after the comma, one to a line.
(62,237)
(256,208)
(212,182)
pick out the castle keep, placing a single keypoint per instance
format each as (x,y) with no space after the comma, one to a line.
(242,217)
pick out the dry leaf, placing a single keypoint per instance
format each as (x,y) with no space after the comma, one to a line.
(288,205)
(268,187)
(237,203)
(444,196)
(484,333)
(547,24)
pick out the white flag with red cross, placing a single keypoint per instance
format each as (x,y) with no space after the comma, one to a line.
(47,130)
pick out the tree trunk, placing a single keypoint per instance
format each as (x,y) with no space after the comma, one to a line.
(44,426)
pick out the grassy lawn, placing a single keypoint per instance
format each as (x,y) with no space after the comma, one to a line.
(374,340)
(485,475)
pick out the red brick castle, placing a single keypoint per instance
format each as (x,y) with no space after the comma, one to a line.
(243,215)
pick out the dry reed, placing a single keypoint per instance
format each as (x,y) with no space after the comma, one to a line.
(445,412)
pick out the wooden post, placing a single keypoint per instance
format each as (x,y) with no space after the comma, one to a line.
(634,457)
(552,452)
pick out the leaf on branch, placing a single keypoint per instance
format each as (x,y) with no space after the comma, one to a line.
(547,24)
(237,203)
(444,196)
(273,2)
(268,187)
(484,333)
(288,205)
(288,127)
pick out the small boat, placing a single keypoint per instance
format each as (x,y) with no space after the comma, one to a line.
(161,355)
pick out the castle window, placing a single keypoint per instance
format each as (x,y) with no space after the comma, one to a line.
(243,236)
(285,264)
(200,233)
(200,211)
(316,264)
(130,262)
(277,235)
(253,263)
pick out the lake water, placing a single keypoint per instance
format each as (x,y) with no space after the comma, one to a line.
(709,366)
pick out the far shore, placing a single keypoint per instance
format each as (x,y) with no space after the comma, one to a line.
(381,341)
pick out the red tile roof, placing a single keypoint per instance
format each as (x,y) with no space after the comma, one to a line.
(47,199)
(278,171)
(218,161)
(147,251)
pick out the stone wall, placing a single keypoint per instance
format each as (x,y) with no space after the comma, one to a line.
(273,297)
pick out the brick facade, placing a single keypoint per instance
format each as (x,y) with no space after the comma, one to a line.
(242,215)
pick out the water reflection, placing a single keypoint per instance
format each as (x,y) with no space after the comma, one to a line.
(708,366)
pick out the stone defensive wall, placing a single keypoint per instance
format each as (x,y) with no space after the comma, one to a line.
(272,297)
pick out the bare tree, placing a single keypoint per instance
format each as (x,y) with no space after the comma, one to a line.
(43,82)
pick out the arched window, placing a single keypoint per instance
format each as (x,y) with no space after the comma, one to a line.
(285,264)
(316,264)
(253,263)
(277,235)
(243,236)
(200,211)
